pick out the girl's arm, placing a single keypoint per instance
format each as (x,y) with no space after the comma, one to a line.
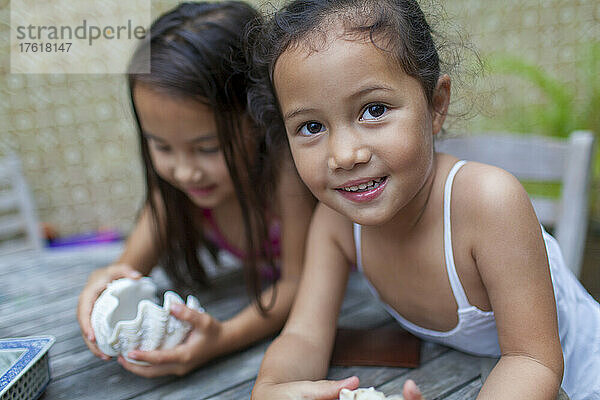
(138,259)
(303,349)
(141,251)
(295,208)
(213,338)
(510,255)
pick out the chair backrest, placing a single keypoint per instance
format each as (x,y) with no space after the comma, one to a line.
(541,159)
(19,228)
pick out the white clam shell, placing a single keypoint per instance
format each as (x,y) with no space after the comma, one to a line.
(127,317)
(366,394)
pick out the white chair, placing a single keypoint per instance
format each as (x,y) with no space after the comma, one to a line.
(541,159)
(19,228)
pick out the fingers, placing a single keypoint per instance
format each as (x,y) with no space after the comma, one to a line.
(183,357)
(410,391)
(91,344)
(330,390)
(96,284)
(157,357)
(84,311)
(151,371)
(321,390)
(200,320)
(117,271)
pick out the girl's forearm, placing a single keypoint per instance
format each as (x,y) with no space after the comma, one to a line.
(249,325)
(141,251)
(293,357)
(521,377)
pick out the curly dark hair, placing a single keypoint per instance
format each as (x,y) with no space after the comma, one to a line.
(195,52)
(395,26)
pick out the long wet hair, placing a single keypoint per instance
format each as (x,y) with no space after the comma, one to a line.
(195,53)
(397,27)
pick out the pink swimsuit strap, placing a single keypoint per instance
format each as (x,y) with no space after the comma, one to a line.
(221,242)
(218,237)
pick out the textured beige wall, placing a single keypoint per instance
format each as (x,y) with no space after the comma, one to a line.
(552,34)
(77,141)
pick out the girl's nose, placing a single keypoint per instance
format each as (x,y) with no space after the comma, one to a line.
(346,151)
(186,173)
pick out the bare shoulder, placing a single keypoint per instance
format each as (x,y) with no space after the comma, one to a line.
(329,224)
(490,193)
(495,215)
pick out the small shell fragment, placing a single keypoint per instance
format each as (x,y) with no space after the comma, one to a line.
(366,394)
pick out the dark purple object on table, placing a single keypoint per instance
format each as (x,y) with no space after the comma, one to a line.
(85,239)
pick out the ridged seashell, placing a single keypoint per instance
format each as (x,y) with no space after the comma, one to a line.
(366,394)
(127,317)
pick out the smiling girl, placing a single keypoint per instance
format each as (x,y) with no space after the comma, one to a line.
(452,248)
(209,186)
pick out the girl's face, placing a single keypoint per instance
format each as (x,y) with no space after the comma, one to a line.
(360,129)
(184,147)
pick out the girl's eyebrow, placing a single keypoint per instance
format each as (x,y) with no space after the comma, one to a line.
(195,140)
(298,111)
(368,89)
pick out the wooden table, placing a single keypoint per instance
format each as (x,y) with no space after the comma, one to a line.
(38,296)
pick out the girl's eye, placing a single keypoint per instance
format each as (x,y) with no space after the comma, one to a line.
(373,112)
(158,146)
(162,148)
(311,128)
(208,150)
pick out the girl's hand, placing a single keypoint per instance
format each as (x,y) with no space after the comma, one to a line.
(410,391)
(322,390)
(94,287)
(303,390)
(201,345)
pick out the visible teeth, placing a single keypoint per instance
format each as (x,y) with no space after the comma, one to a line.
(369,185)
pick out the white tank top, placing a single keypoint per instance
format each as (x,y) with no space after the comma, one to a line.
(475,332)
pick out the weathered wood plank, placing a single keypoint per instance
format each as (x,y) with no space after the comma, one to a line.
(468,392)
(39,310)
(439,377)
(59,258)
(31,278)
(241,391)
(91,383)
(106,380)
(62,367)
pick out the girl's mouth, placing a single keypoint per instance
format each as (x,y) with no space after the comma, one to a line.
(364,191)
(202,191)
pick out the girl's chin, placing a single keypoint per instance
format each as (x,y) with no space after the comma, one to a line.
(370,219)
(214,200)
(204,201)
(368,215)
